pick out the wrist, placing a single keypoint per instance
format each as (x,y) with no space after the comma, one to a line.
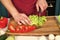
(14,13)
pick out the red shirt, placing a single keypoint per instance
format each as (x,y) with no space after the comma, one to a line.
(26,6)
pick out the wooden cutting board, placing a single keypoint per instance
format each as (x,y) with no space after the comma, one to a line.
(49,27)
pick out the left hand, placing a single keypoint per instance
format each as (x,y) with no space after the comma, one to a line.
(41,4)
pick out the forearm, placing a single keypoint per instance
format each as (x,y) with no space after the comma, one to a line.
(9,6)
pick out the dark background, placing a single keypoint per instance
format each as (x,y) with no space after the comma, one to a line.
(51,10)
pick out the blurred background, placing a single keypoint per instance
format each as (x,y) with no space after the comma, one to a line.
(54,7)
(51,7)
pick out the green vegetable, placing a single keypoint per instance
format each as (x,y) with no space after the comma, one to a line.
(59,18)
(10,38)
(3,37)
(34,19)
(42,20)
(37,20)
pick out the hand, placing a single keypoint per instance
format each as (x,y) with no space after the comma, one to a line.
(21,18)
(42,4)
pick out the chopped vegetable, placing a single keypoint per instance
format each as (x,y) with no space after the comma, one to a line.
(59,18)
(20,28)
(37,20)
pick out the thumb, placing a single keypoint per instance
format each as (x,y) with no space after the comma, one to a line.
(37,7)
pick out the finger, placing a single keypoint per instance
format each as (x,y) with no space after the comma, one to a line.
(42,6)
(42,9)
(19,23)
(27,19)
(23,22)
(37,7)
(45,5)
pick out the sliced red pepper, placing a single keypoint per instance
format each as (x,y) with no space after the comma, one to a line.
(17,29)
(31,28)
(27,28)
(11,28)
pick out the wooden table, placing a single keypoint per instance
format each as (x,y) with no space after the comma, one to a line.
(49,27)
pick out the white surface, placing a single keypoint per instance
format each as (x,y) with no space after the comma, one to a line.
(2,32)
(57,37)
(26,38)
(42,38)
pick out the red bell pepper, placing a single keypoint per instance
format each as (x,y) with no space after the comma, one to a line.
(3,22)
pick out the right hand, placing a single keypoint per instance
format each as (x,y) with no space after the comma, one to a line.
(41,4)
(21,18)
